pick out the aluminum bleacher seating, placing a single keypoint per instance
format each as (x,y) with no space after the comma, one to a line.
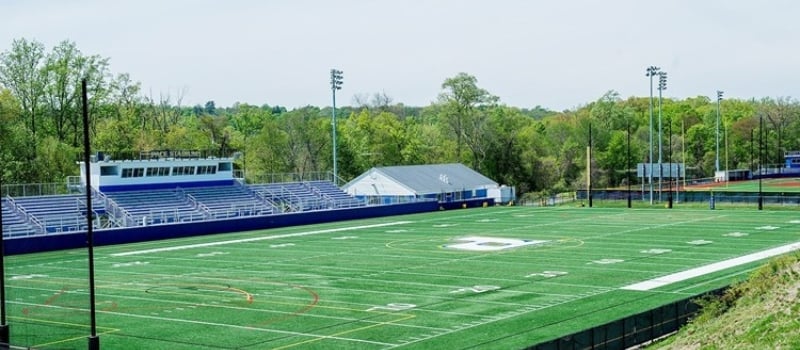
(151,207)
(305,196)
(66,213)
(341,198)
(220,202)
(52,214)
(14,225)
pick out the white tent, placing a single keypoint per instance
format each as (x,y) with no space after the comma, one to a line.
(443,182)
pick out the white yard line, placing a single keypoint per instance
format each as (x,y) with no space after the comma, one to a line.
(216,324)
(492,318)
(711,268)
(245,240)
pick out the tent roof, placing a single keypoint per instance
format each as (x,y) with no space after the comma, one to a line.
(435,178)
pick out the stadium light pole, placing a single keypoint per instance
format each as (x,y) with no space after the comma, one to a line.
(669,163)
(716,160)
(651,71)
(662,85)
(336,84)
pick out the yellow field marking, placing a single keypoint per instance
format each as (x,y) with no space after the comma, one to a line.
(377,324)
(579,242)
(211,287)
(108,330)
(247,295)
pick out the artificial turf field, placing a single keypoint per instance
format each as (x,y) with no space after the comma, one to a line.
(486,278)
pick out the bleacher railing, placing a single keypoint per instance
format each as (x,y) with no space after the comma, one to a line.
(262,195)
(13,203)
(199,206)
(237,210)
(63,224)
(175,215)
(35,222)
(119,215)
(316,191)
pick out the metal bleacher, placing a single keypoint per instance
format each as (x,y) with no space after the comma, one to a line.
(51,214)
(24,216)
(221,202)
(289,196)
(339,198)
(14,225)
(306,196)
(151,207)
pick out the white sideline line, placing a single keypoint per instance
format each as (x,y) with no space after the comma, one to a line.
(718,266)
(215,324)
(245,240)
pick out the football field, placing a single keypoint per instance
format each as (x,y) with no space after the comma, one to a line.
(486,278)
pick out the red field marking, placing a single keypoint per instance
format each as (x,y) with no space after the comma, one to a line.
(53,300)
(55,296)
(298,312)
(314,297)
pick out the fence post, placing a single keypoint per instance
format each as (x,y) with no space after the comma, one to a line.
(711,203)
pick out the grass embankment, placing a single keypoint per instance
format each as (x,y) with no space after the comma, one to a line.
(760,313)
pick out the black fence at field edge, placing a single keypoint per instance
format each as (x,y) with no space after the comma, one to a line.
(781,198)
(632,330)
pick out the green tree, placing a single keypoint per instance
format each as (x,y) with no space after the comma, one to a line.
(374,138)
(210,108)
(268,150)
(247,121)
(503,156)
(613,160)
(308,140)
(462,101)
(64,70)
(21,72)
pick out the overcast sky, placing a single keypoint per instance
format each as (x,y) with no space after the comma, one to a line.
(557,54)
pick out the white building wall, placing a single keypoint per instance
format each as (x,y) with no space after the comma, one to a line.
(376,184)
(116,180)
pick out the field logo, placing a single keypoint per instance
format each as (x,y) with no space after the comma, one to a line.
(488,244)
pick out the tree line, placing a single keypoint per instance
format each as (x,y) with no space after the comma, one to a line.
(535,149)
